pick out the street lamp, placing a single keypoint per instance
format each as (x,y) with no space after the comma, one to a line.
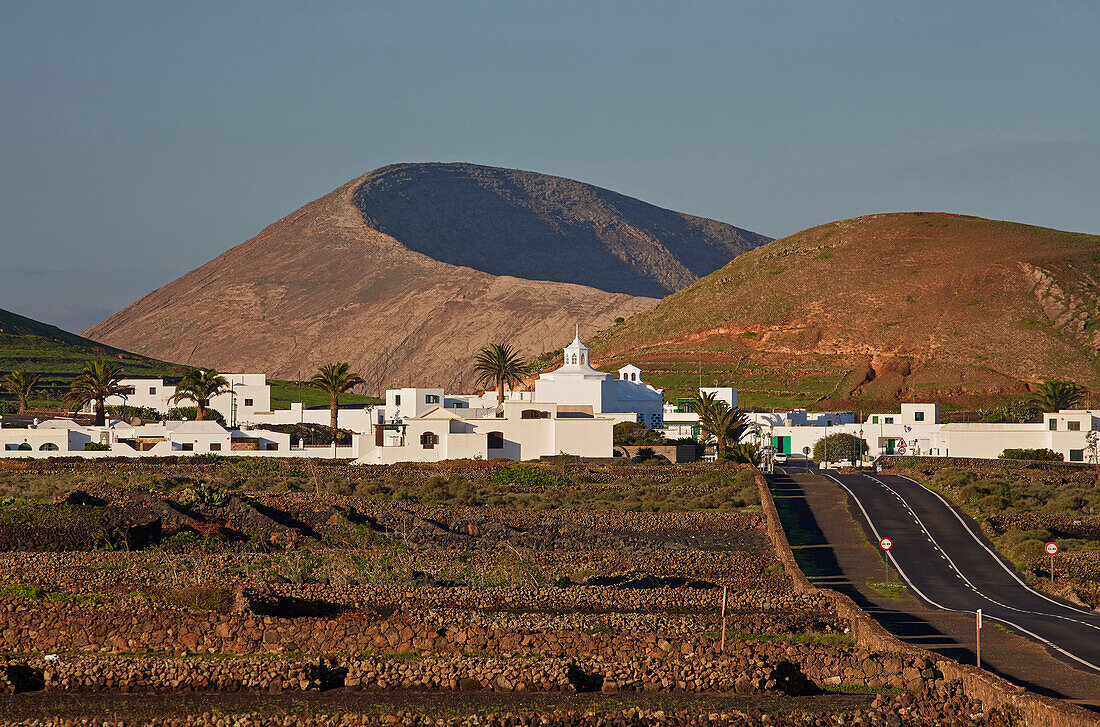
(860,445)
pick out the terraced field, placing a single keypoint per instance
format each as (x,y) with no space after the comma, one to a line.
(279,593)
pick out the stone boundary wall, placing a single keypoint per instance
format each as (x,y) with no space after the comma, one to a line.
(35,627)
(993,691)
(408,472)
(749,668)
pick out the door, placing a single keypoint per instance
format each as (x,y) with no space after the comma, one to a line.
(890,445)
(782,445)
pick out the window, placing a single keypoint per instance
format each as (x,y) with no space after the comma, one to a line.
(634,377)
(215,446)
(248,402)
(582,358)
(128,391)
(574,360)
(431,399)
(496,440)
(25,447)
(428,440)
(1077,455)
(273,446)
(1053,424)
(534,414)
(152,390)
(1073,426)
(397,399)
(48,447)
(188,446)
(918,416)
(889,420)
(874,420)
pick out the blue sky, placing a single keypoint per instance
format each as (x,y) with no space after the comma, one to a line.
(141,139)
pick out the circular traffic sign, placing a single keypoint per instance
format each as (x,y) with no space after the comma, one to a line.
(886,543)
(1052,548)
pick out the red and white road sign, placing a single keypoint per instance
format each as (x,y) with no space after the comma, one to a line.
(1052,548)
(886,543)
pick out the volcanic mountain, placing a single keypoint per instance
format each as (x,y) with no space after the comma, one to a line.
(406,271)
(872,310)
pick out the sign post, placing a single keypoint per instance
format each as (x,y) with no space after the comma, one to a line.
(978,634)
(886,544)
(1051,549)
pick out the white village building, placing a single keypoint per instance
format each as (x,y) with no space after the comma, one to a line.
(66,438)
(527,431)
(681,421)
(249,395)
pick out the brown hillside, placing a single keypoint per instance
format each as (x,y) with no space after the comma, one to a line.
(408,270)
(872,310)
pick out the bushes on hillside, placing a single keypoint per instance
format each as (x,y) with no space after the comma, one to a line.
(1043,455)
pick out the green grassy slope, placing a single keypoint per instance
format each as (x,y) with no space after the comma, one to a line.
(58,355)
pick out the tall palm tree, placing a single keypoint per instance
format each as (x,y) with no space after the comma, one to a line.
(1055,395)
(499,364)
(21,383)
(334,379)
(200,387)
(719,420)
(96,382)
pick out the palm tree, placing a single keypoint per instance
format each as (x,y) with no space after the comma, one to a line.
(21,383)
(334,379)
(200,387)
(1055,395)
(96,382)
(719,420)
(499,364)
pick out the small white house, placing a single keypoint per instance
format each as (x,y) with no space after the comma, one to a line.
(681,421)
(248,396)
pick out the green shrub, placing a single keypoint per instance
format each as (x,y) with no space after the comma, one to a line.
(127,412)
(841,447)
(1043,455)
(634,434)
(190,413)
(96,447)
(183,537)
(526,475)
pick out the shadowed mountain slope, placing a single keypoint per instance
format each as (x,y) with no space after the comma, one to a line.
(407,271)
(877,309)
(539,227)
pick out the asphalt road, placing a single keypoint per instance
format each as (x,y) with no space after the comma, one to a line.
(941,555)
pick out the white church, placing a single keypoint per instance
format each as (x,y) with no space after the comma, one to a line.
(577,383)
